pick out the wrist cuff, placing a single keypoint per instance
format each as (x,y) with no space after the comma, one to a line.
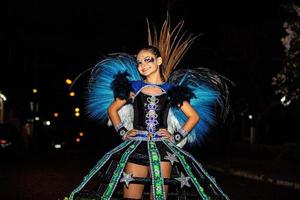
(180,135)
(118,126)
(122,131)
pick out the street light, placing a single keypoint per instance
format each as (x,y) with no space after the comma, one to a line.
(72,94)
(55,114)
(68,81)
(81,134)
(2,99)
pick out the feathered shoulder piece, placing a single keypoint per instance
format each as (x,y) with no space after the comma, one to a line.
(185,95)
(108,79)
(121,86)
(207,92)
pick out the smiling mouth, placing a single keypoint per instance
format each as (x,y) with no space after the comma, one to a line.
(145,70)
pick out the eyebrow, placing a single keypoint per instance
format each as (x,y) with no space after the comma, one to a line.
(149,58)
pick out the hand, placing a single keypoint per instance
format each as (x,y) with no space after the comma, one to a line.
(165,133)
(130,133)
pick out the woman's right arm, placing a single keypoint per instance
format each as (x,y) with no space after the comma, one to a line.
(115,118)
(113,111)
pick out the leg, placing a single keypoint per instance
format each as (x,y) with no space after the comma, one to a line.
(166,169)
(135,191)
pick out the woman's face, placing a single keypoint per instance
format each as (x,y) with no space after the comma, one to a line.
(148,63)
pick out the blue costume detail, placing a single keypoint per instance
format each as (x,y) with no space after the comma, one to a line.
(137,85)
(209,92)
(116,77)
(100,94)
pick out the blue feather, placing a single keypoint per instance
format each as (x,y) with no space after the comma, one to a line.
(210,93)
(100,94)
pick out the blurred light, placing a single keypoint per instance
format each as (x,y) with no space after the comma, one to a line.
(285,101)
(36,118)
(77,140)
(68,81)
(77,114)
(31,104)
(250,116)
(34,90)
(47,123)
(2,97)
(77,109)
(55,114)
(2,141)
(81,134)
(72,94)
(57,146)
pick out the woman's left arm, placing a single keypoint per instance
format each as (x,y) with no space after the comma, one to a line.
(192,120)
(192,116)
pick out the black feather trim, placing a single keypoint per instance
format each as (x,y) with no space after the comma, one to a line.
(121,86)
(178,94)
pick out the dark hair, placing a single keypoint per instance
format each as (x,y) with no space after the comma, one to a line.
(152,49)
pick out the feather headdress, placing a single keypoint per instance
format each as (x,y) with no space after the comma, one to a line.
(172,43)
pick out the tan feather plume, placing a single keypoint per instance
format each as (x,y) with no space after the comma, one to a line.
(172,44)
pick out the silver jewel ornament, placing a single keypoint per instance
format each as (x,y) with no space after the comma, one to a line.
(122,132)
(171,157)
(127,178)
(184,180)
(177,137)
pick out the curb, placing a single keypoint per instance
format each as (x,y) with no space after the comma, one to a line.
(257,177)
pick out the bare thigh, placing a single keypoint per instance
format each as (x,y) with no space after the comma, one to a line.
(135,191)
(166,169)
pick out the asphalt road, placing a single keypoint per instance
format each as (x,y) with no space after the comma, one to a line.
(51,176)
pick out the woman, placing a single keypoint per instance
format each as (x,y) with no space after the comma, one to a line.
(153,86)
(155,110)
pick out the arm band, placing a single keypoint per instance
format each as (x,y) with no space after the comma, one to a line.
(120,129)
(180,135)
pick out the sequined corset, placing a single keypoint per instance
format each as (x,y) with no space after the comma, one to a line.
(150,112)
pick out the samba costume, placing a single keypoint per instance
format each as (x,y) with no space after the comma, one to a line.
(117,77)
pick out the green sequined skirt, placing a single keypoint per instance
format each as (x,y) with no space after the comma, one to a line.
(188,178)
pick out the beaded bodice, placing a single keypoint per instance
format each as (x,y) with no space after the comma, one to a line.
(150,112)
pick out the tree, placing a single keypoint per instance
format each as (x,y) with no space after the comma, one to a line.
(287,81)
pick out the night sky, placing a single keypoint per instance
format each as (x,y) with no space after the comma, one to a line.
(49,41)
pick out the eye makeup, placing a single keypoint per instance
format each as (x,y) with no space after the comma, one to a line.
(147,59)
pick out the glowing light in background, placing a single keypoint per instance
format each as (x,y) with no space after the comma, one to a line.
(68,81)
(47,123)
(72,94)
(285,101)
(57,146)
(2,96)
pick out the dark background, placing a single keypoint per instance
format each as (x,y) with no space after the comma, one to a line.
(47,42)
(50,41)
